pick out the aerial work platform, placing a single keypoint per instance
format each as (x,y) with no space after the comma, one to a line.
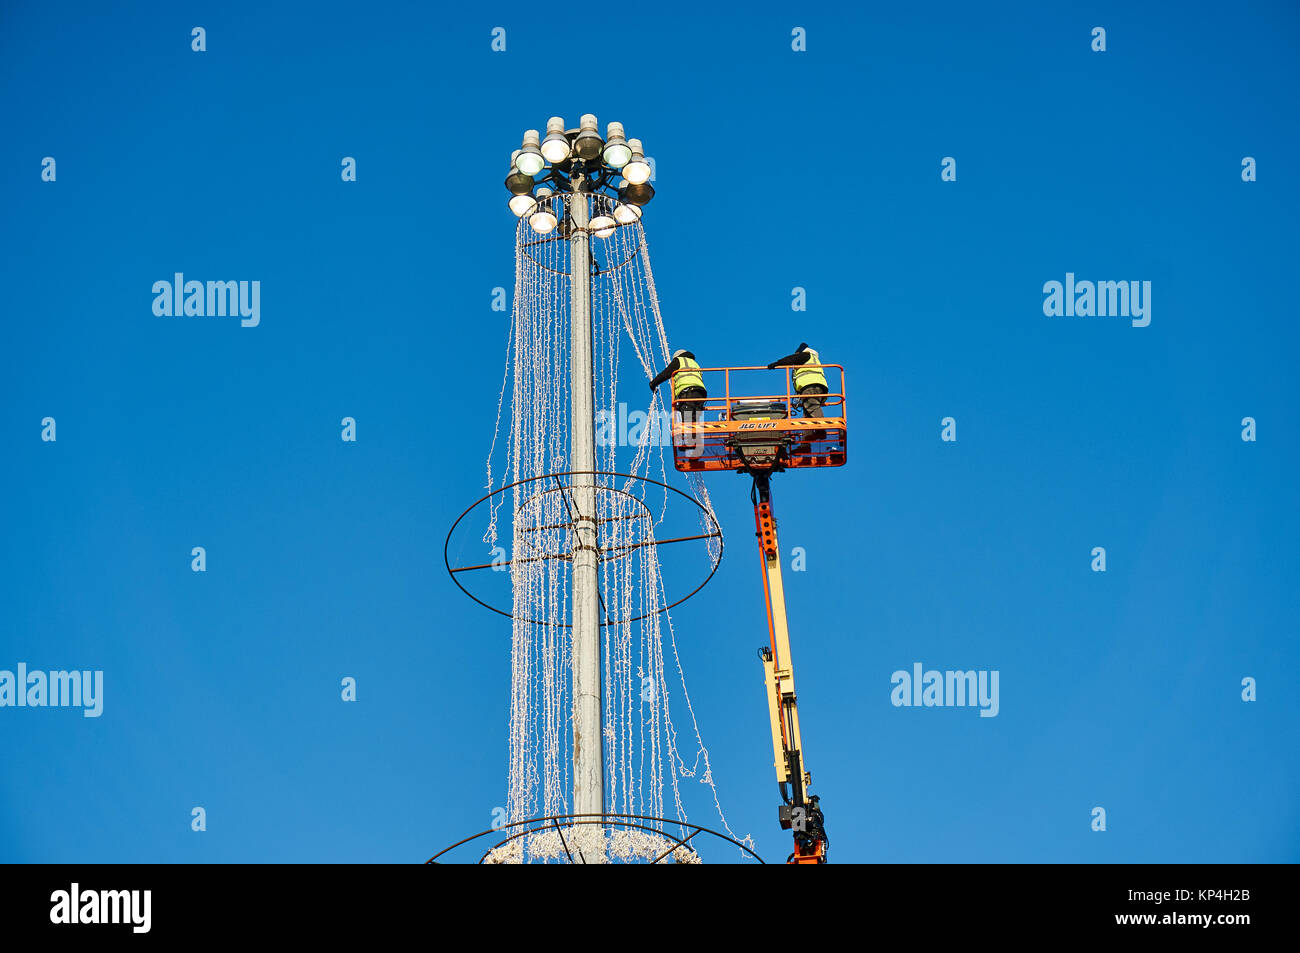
(747,424)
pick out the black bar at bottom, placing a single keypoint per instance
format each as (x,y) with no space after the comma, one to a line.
(335,903)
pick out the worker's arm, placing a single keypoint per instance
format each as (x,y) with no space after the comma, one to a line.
(798,357)
(666,373)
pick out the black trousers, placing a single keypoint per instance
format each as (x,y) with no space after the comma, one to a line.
(812,406)
(691,411)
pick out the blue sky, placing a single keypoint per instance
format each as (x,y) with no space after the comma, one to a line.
(775,170)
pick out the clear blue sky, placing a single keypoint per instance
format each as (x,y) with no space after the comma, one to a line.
(776,169)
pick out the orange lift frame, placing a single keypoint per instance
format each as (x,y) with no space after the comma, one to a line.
(759,436)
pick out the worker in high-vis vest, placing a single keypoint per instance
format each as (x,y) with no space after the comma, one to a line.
(688,386)
(809,379)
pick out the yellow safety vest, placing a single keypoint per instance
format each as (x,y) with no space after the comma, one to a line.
(805,375)
(688,375)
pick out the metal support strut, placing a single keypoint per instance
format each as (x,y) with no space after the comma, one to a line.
(799,811)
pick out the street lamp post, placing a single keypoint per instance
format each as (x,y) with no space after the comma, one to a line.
(581,167)
(588,740)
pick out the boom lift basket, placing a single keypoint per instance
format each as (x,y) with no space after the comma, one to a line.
(751,432)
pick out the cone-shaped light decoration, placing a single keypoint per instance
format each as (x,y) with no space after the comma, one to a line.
(602,223)
(518,182)
(588,143)
(530,160)
(543,220)
(637,170)
(634,194)
(617,153)
(555,147)
(521,205)
(626,214)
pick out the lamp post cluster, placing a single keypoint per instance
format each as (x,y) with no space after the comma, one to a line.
(596,185)
(614,170)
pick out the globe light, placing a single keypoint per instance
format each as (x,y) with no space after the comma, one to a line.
(637,170)
(521,205)
(617,153)
(555,147)
(588,143)
(543,220)
(530,160)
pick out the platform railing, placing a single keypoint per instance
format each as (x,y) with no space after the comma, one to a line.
(789,397)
